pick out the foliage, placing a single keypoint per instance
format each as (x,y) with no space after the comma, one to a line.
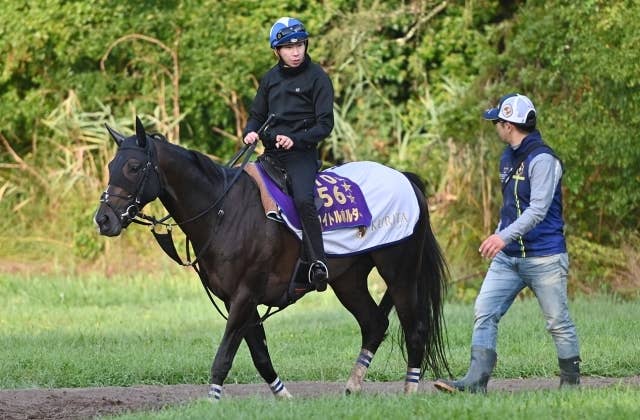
(411,78)
(584,78)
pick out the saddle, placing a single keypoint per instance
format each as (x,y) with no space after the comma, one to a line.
(365,205)
(299,284)
(276,171)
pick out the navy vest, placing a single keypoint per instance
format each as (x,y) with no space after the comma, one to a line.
(547,237)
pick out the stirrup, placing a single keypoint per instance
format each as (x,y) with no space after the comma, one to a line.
(275,216)
(319,276)
(317,264)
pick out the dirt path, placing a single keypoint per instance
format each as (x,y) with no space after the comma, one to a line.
(75,403)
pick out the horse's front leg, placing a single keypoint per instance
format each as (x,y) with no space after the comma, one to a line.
(240,315)
(257,342)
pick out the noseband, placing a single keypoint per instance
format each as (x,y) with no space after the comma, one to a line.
(135,199)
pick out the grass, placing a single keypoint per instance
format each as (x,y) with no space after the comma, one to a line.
(611,403)
(58,331)
(74,332)
(607,330)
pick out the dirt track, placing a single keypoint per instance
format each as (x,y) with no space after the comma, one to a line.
(68,403)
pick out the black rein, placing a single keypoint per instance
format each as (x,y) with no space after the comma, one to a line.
(165,240)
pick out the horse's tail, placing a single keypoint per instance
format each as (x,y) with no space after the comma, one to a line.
(386,303)
(415,180)
(432,276)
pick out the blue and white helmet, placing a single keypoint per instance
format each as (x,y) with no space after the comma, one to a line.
(285,31)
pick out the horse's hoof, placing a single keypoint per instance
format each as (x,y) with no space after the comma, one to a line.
(283,395)
(352,391)
(410,388)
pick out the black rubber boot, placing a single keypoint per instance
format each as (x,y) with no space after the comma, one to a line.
(569,371)
(482,363)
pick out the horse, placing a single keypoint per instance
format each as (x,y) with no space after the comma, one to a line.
(246,259)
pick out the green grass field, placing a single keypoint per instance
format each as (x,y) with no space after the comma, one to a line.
(612,403)
(93,331)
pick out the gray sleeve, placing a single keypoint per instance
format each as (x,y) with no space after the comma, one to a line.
(545,172)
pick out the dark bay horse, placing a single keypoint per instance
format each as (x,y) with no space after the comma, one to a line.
(247,259)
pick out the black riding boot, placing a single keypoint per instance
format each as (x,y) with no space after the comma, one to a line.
(569,371)
(313,246)
(482,363)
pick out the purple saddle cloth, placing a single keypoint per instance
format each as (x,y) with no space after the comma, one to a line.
(343,204)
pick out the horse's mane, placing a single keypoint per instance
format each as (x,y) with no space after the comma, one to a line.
(212,170)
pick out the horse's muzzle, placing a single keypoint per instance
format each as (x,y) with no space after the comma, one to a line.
(107,222)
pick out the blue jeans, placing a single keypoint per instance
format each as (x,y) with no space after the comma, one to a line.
(547,278)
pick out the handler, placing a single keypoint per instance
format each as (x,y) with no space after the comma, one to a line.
(300,95)
(528,248)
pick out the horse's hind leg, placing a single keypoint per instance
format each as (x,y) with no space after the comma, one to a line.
(257,342)
(351,289)
(397,267)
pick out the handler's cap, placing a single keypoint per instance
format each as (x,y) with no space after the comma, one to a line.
(512,107)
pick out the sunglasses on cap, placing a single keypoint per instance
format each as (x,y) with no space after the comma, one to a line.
(290,30)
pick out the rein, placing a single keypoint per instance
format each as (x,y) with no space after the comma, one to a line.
(165,240)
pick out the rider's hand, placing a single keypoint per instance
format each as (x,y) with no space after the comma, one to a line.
(250,138)
(284,141)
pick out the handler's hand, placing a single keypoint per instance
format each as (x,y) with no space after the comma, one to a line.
(491,246)
(250,138)
(284,141)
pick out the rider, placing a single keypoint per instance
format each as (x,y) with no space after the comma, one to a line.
(300,95)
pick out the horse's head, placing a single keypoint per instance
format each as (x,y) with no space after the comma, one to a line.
(133,181)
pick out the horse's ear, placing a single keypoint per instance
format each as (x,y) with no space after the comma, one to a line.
(117,137)
(141,135)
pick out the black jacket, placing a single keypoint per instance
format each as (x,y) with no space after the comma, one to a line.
(301,99)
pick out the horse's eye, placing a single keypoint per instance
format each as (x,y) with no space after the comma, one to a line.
(135,167)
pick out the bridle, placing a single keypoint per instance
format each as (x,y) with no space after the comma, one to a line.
(135,204)
(137,200)
(134,207)
(133,211)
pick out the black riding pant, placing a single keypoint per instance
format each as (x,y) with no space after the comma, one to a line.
(301,167)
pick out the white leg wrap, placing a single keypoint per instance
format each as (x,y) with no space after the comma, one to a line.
(412,381)
(359,371)
(215,392)
(279,390)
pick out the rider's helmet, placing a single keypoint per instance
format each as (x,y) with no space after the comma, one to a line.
(285,31)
